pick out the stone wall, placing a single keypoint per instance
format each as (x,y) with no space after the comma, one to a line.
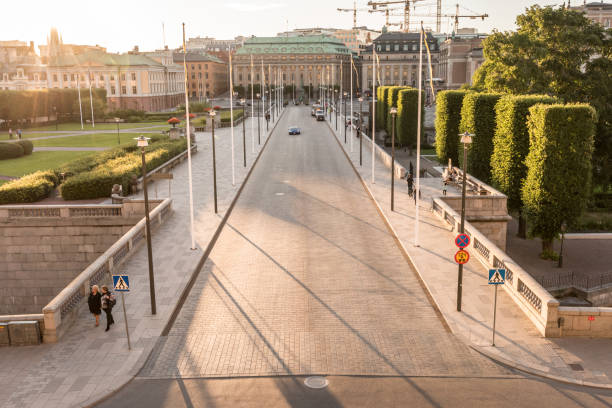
(487,213)
(39,257)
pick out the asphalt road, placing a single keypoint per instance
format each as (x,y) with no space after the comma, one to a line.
(306,279)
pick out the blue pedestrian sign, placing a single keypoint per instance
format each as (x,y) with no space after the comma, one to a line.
(497,276)
(121,283)
(462,240)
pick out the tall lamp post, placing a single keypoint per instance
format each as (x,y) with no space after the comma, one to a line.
(359,132)
(563,229)
(243,102)
(344,101)
(55,112)
(393,112)
(212,119)
(258,124)
(118,137)
(466,139)
(267,115)
(336,106)
(143,142)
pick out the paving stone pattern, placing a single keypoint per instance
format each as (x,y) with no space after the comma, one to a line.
(307,279)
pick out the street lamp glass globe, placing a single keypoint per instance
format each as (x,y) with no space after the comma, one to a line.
(466,137)
(393,111)
(117,120)
(212,113)
(142,141)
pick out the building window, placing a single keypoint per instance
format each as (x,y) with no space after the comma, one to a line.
(396,47)
(123,77)
(199,66)
(134,90)
(192,66)
(101,77)
(192,75)
(112,90)
(207,76)
(200,75)
(414,47)
(239,77)
(133,76)
(205,66)
(54,77)
(65,77)
(123,90)
(388,47)
(112,78)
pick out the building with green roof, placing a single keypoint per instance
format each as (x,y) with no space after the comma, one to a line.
(302,61)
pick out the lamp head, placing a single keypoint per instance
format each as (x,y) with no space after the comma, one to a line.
(212,113)
(361,99)
(466,138)
(117,120)
(393,111)
(142,141)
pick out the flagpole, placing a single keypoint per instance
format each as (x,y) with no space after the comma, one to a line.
(270,90)
(418,158)
(342,96)
(80,105)
(93,122)
(252,108)
(188,133)
(231,79)
(352,125)
(262,87)
(374,100)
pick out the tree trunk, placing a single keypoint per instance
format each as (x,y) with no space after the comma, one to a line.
(522,226)
(547,246)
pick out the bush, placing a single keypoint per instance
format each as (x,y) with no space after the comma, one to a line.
(448,117)
(225,115)
(28,189)
(99,181)
(10,151)
(198,107)
(407,116)
(200,122)
(559,165)
(478,118)
(392,94)
(27,146)
(126,114)
(511,145)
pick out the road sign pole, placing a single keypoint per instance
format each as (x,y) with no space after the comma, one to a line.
(494,315)
(127,330)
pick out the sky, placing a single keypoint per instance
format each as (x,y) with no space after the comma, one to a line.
(119,25)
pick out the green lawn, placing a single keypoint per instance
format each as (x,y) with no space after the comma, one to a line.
(428,151)
(37,161)
(99,126)
(3,181)
(90,140)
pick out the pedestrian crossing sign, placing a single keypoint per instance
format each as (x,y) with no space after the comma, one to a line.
(497,276)
(121,283)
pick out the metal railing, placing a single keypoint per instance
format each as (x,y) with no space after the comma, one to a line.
(575,280)
(60,211)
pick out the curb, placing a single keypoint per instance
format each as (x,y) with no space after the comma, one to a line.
(194,274)
(445,322)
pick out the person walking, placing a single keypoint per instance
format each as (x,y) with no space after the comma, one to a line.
(410,183)
(10,133)
(19,134)
(108,301)
(95,303)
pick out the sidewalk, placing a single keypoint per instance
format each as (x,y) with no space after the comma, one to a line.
(88,363)
(518,344)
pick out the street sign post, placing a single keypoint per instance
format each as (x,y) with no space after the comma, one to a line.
(462,240)
(462,257)
(496,277)
(121,283)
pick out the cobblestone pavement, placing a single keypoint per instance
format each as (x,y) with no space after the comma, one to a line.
(89,363)
(517,341)
(307,279)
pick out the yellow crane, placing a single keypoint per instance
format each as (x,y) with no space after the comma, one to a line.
(455,16)
(353,10)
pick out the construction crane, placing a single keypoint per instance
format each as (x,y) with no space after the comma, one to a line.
(353,10)
(455,16)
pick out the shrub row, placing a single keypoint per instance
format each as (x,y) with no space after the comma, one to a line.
(16,149)
(225,115)
(407,116)
(121,169)
(448,117)
(28,189)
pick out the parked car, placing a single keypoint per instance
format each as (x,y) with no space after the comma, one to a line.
(294,130)
(313,111)
(320,115)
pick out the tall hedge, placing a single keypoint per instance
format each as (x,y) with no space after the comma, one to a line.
(392,94)
(561,139)
(407,116)
(478,118)
(511,145)
(448,116)
(382,108)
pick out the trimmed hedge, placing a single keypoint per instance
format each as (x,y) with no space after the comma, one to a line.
(28,147)
(28,189)
(561,139)
(448,117)
(381,107)
(10,151)
(392,94)
(478,118)
(98,182)
(225,115)
(407,116)
(511,145)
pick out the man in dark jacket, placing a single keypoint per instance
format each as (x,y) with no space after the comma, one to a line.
(108,301)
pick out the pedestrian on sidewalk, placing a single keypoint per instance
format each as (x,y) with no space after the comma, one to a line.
(108,301)
(10,133)
(410,183)
(95,303)
(19,134)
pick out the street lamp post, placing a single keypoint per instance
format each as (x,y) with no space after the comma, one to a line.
(258,124)
(359,132)
(243,102)
(118,137)
(336,106)
(143,142)
(344,101)
(466,139)
(393,114)
(563,229)
(212,119)
(55,112)
(267,116)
